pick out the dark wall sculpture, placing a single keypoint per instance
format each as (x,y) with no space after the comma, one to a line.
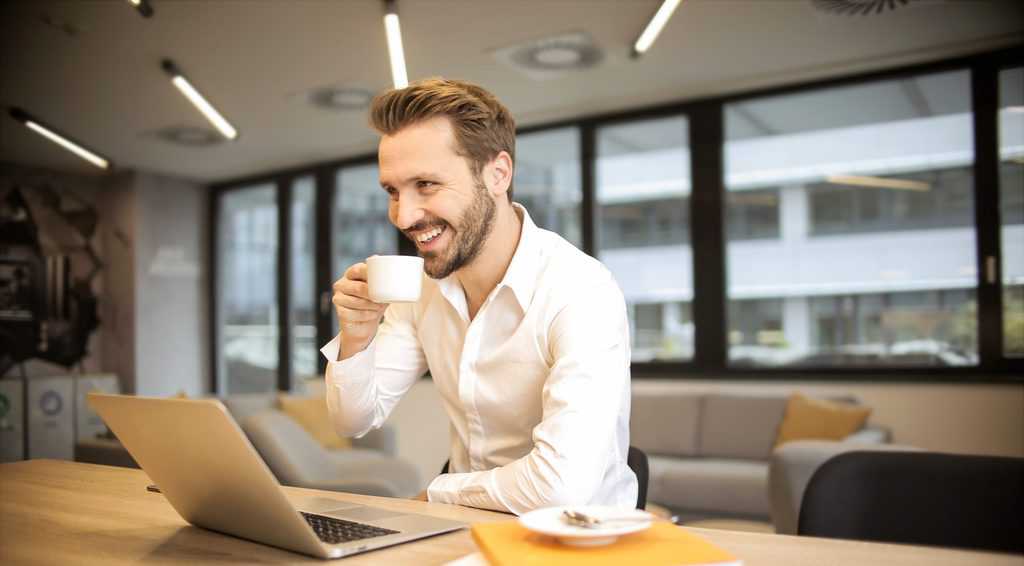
(45,312)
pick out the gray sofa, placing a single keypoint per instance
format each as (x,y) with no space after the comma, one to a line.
(709,452)
(370,467)
(791,468)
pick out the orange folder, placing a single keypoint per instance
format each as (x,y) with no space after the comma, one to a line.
(505,543)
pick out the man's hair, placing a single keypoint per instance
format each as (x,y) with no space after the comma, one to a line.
(483,126)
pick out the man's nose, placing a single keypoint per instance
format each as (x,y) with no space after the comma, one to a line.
(406,211)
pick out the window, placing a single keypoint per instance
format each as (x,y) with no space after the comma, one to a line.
(932,199)
(360,226)
(847,217)
(752,214)
(757,331)
(305,357)
(247,297)
(547,181)
(643,188)
(872,329)
(1011,205)
(871,259)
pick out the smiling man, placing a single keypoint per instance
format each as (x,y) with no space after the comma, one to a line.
(525,337)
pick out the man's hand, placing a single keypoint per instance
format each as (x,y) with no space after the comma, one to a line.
(358,316)
(421,497)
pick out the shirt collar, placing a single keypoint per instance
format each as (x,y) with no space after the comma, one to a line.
(521,274)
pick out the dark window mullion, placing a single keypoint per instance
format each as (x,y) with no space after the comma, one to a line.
(325,270)
(588,181)
(213,340)
(984,98)
(284,296)
(707,236)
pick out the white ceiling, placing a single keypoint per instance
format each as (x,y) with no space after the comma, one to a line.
(102,83)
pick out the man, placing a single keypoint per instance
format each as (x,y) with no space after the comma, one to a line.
(525,337)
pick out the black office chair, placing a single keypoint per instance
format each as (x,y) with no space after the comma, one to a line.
(637,461)
(926,498)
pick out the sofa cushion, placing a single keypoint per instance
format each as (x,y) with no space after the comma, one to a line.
(664,423)
(290,452)
(719,486)
(311,413)
(818,419)
(740,426)
(241,405)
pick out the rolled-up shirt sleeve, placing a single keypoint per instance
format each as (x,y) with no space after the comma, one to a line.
(363,389)
(581,398)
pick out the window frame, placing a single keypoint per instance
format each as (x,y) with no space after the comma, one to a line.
(706,122)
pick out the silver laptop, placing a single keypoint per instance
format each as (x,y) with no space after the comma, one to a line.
(213,477)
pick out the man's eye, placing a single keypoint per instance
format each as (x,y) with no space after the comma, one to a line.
(424,184)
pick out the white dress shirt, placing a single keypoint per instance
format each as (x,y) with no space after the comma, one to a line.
(536,385)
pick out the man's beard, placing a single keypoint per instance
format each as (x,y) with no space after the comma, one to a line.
(475,225)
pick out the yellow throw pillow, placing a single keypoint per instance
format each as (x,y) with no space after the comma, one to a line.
(818,419)
(311,413)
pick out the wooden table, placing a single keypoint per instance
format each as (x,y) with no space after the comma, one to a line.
(57,512)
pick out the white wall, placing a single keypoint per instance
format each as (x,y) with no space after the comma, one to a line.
(171,325)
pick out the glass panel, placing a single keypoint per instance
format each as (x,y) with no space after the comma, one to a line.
(305,358)
(1011,205)
(850,226)
(247,290)
(643,190)
(547,181)
(360,226)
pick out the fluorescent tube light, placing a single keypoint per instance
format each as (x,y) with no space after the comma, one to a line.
(879,182)
(654,27)
(1014,109)
(197,100)
(394,34)
(143,7)
(49,133)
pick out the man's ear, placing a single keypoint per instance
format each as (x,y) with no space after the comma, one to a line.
(498,174)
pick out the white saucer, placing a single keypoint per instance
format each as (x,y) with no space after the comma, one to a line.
(549,521)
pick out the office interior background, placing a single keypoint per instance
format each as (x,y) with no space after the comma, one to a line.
(791,196)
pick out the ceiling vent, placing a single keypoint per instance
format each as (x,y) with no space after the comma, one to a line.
(552,57)
(189,136)
(336,98)
(855,7)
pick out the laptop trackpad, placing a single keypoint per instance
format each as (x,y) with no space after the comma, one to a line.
(365,514)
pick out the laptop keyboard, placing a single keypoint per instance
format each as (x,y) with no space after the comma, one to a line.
(334,531)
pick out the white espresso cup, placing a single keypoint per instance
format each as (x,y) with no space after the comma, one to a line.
(394,278)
